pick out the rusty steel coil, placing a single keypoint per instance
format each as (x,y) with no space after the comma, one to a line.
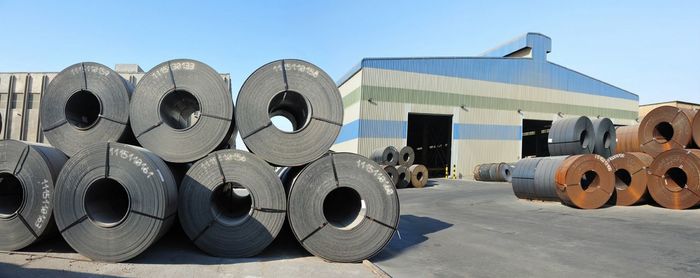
(696,129)
(665,128)
(628,139)
(630,177)
(674,179)
(419,175)
(585,181)
(475,172)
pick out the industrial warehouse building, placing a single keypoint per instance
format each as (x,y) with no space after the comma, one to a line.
(464,111)
(20,99)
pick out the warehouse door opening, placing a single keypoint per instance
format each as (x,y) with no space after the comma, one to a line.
(430,136)
(534,141)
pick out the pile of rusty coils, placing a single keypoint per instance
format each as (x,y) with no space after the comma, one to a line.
(654,161)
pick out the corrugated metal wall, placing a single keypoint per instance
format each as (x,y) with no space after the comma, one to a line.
(488,98)
(20,99)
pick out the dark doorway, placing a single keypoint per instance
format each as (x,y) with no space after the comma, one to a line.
(430,136)
(534,141)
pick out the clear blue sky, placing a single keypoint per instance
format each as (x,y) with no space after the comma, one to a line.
(651,48)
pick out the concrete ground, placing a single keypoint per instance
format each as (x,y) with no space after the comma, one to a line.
(479,229)
(449,229)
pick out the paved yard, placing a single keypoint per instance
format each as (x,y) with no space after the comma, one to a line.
(479,229)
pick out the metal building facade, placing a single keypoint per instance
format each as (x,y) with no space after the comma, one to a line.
(20,99)
(488,98)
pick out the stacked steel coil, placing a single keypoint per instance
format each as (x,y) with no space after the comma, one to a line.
(653,161)
(405,173)
(578,174)
(140,157)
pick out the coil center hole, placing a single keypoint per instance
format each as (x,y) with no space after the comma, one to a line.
(180,109)
(343,208)
(606,140)
(231,203)
(391,175)
(83,109)
(406,157)
(389,157)
(402,176)
(663,132)
(623,179)
(584,139)
(419,176)
(589,179)
(11,195)
(107,202)
(289,111)
(676,179)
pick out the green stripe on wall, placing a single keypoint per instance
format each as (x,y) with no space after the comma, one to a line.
(352,98)
(449,99)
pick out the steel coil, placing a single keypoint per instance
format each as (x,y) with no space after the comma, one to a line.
(674,179)
(404,178)
(182,111)
(585,181)
(605,137)
(506,172)
(475,172)
(343,208)
(493,172)
(28,172)
(113,201)
(630,177)
(407,156)
(386,156)
(300,92)
(665,128)
(86,103)
(484,174)
(392,172)
(523,180)
(232,204)
(571,136)
(696,129)
(545,187)
(419,175)
(628,139)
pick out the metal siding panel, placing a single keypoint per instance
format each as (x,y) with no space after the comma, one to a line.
(378,94)
(463,86)
(505,70)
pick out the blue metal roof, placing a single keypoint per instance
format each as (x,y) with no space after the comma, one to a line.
(535,72)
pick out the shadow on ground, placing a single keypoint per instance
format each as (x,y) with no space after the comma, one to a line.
(176,248)
(413,230)
(10,270)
